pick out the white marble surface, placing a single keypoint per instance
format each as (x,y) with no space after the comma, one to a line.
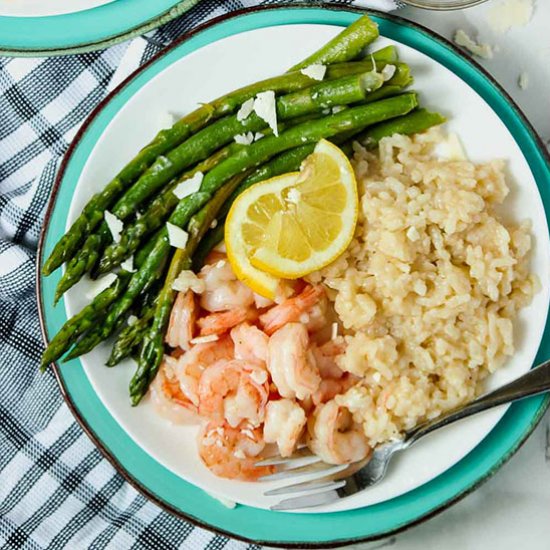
(512,510)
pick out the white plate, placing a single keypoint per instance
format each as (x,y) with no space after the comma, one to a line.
(244,58)
(43,8)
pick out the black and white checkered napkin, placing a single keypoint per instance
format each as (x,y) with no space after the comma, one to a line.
(56,489)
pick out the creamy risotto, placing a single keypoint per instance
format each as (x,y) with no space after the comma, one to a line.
(429,288)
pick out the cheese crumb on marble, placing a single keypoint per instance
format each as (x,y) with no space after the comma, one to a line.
(484,51)
(523,81)
(507,14)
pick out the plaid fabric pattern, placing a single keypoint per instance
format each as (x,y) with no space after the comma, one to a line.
(56,489)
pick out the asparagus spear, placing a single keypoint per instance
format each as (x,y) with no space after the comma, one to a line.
(414,122)
(83,320)
(345,46)
(152,349)
(165,141)
(341,91)
(131,337)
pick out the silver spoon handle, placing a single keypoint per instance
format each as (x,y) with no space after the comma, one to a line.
(536,381)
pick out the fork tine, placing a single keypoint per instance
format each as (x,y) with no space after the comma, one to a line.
(302,453)
(307,486)
(307,501)
(320,468)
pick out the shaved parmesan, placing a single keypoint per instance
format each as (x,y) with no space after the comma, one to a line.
(244,139)
(507,14)
(176,236)
(258,135)
(189,186)
(246,108)
(481,50)
(205,339)
(316,71)
(114,224)
(338,109)
(128,264)
(187,280)
(99,285)
(265,108)
(387,72)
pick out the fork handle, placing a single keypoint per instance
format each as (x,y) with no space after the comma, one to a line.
(536,381)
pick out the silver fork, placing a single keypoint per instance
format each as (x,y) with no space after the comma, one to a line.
(329,483)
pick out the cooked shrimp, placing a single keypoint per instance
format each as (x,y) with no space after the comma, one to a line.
(250,342)
(261,303)
(168,399)
(222,321)
(317,317)
(189,367)
(182,321)
(234,391)
(223,291)
(333,436)
(291,309)
(284,424)
(231,453)
(291,363)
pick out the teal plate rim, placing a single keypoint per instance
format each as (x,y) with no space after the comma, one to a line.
(182,498)
(87,30)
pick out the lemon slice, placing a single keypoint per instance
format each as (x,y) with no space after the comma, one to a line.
(291,225)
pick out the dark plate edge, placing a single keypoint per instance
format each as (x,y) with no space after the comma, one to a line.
(172,13)
(74,410)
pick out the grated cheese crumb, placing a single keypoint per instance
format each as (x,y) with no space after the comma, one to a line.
(377,377)
(258,136)
(315,71)
(265,108)
(214,224)
(176,236)
(484,51)
(189,186)
(132,320)
(523,81)
(205,339)
(114,224)
(338,109)
(246,108)
(220,264)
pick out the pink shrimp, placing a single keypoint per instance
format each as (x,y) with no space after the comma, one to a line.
(291,309)
(284,425)
(231,452)
(250,342)
(333,436)
(168,399)
(223,321)
(291,363)
(223,291)
(189,367)
(182,321)
(234,391)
